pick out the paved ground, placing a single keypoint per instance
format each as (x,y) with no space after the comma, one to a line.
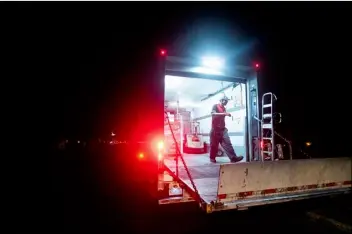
(92,194)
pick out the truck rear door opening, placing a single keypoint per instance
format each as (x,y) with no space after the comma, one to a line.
(188,103)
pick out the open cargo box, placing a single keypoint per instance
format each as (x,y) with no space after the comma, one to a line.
(243,127)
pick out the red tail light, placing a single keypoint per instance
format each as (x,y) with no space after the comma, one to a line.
(162,52)
(160,156)
(261,144)
(160,145)
(160,150)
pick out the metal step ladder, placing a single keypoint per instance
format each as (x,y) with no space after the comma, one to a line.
(267,127)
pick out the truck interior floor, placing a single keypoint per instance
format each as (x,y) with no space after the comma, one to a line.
(204,173)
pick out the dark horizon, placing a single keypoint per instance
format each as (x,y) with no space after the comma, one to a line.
(85,64)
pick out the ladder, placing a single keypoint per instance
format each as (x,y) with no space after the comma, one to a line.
(267,127)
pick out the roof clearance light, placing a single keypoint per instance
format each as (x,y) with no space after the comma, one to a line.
(212,62)
(162,52)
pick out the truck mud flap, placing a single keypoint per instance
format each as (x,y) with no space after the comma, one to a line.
(258,183)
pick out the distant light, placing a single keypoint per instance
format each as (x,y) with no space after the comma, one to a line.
(257,65)
(112,134)
(212,62)
(308,143)
(162,52)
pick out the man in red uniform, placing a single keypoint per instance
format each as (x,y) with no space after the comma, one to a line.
(219,133)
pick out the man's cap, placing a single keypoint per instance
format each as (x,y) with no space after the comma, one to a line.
(224,98)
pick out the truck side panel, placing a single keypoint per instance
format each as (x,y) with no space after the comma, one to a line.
(260,180)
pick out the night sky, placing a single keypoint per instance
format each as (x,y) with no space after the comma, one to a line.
(77,64)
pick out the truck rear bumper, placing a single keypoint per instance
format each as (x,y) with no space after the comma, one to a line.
(173,200)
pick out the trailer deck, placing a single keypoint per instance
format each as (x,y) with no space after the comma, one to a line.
(242,185)
(204,173)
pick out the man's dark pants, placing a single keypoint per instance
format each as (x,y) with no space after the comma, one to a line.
(221,136)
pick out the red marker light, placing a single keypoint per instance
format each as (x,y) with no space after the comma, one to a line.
(257,65)
(162,52)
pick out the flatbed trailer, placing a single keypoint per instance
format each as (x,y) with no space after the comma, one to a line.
(265,176)
(225,186)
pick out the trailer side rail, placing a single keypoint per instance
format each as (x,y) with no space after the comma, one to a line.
(258,183)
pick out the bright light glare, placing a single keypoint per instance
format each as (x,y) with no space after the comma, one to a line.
(162,52)
(172,82)
(212,62)
(206,70)
(160,156)
(160,145)
(141,155)
(184,103)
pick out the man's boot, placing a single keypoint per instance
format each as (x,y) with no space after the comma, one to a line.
(236,159)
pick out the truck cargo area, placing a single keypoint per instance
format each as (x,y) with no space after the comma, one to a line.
(188,105)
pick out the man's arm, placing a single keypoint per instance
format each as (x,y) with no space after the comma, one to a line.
(226,114)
